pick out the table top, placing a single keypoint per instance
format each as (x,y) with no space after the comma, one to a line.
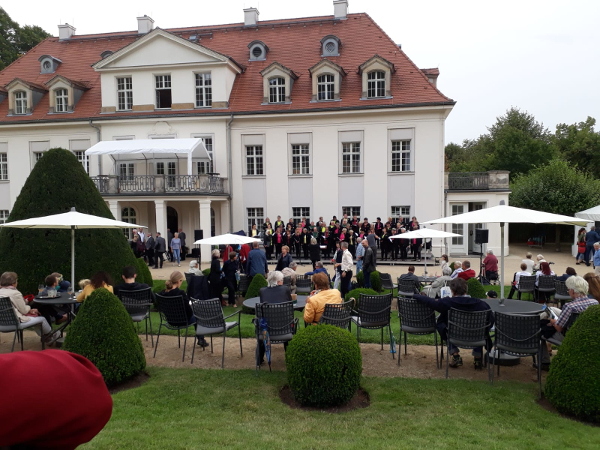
(64,299)
(299,304)
(514,306)
(427,279)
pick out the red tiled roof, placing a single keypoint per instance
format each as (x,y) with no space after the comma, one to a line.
(293,43)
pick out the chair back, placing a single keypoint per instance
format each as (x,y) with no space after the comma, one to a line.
(527,283)
(374,310)
(243,284)
(518,333)
(415,314)
(561,288)
(406,288)
(546,283)
(188,276)
(337,314)
(8,316)
(386,281)
(287,281)
(572,318)
(136,302)
(303,284)
(468,326)
(172,311)
(208,313)
(278,316)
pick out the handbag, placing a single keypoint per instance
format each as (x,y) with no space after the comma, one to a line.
(445,292)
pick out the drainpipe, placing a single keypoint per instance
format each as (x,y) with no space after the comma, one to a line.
(229,173)
(99,138)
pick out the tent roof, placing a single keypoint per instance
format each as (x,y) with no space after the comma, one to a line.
(70,219)
(424,233)
(139,148)
(590,214)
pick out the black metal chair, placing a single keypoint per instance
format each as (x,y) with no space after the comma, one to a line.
(281,325)
(243,285)
(9,323)
(518,335)
(526,286)
(173,316)
(545,286)
(210,320)
(303,284)
(561,295)
(416,318)
(572,318)
(467,329)
(138,304)
(338,314)
(406,288)
(188,276)
(386,281)
(373,313)
(287,281)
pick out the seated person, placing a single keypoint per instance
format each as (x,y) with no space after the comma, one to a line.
(460,301)
(50,312)
(195,268)
(99,280)
(570,272)
(544,271)
(457,269)
(411,277)
(491,294)
(490,263)
(434,289)
(540,259)
(319,269)
(83,283)
(290,271)
(63,285)
(276,292)
(467,272)
(315,304)
(517,275)
(24,312)
(129,275)
(578,291)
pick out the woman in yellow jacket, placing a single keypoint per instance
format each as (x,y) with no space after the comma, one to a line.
(99,280)
(315,304)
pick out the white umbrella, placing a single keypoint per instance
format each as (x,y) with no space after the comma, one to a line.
(71,220)
(509,214)
(425,233)
(227,239)
(592,214)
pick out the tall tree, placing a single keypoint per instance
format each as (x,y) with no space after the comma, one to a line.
(579,144)
(15,40)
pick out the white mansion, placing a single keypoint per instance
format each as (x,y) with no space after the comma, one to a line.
(301,117)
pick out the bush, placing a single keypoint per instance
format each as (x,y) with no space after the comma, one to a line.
(360,279)
(324,366)
(258,282)
(104,333)
(143,272)
(452,266)
(475,289)
(206,272)
(355,293)
(376,281)
(56,183)
(572,385)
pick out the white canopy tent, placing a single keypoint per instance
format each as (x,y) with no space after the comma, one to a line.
(188,148)
(592,214)
(227,239)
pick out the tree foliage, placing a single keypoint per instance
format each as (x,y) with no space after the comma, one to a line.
(579,144)
(16,40)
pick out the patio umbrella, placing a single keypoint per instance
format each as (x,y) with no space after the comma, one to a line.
(227,239)
(509,214)
(72,220)
(425,233)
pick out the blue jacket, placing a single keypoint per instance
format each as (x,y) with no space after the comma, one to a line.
(319,270)
(597,259)
(257,263)
(443,305)
(591,237)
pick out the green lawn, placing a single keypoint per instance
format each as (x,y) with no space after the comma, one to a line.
(206,409)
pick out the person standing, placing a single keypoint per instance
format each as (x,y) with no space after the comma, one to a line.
(591,237)
(378,227)
(176,248)
(214,278)
(368,264)
(372,241)
(314,251)
(285,259)
(230,268)
(360,253)
(346,269)
(183,250)
(160,247)
(169,238)
(580,246)
(305,241)
(257,262)
(597,258)
(268,241)
(150,249)
(337,263)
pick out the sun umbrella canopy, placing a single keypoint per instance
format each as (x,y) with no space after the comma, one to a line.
(227,239)
(592,214)
(425,233)
(71,219)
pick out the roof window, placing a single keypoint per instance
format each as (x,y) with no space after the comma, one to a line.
(258,50)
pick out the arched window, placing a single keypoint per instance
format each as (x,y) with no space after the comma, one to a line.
(277,90)
(128,215)
(61,100)
(20,102)
(213,222)
(325,87)
(376,84)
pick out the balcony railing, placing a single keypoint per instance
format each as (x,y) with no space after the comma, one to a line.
(495,180)
(160,184)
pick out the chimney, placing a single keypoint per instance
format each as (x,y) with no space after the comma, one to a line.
(250,17)
(340,9)
(145,24)
(65,31)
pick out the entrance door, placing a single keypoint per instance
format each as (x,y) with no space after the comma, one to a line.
(458,245)
(473,247)
(172,219)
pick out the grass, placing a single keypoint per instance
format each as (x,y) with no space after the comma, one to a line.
(205,409)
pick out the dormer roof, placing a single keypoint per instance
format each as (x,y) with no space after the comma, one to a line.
(276,65)
(28,84)
(78,84)
(328,63)
(375,58)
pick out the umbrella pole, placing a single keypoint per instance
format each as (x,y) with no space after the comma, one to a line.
(425,253)
(73,257)
(501,260)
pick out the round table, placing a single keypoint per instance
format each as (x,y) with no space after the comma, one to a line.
(299,304)
(427,280)
(62,299)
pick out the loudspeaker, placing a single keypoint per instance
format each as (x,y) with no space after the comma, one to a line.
(481,236)
(198,234)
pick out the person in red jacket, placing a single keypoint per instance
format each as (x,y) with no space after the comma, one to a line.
(31,417)
(467,271)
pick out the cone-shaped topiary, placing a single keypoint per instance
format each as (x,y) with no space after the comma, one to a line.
(324,366)
(258,282)
(376,281)
(573,386)
(475,289)
(57,183)
(103,332)
(143,273)
(360,279)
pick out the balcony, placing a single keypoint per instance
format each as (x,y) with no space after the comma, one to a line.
(161,185)
(494,180)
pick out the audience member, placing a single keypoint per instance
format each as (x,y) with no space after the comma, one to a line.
(291,272)
(176,248)
(433,290)
(410,276)
(539,260)
(597,258)
(528,263)
(257,262)
(129,275)
(368,263)
(318,269)
(523,273)
(568,273)
(346,267)
(591,237)
(275,292)
(490,263)
(316,301)
(285,259)
(467,272)
(160,247)
(544,271)
(593,285)
(230,268)
(457,269)
(99,280)
(195,267)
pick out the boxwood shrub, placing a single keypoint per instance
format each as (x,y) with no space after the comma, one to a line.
(360,279)
(324,366)
(104,333)
(376,281)
(143,272)
(258,282)
(475,289)
(355,293)
(206,272)
(573,386)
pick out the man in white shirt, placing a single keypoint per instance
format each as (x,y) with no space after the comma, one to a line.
(347,265)
(457,269)
(141,235)
(528,262)
(515,283)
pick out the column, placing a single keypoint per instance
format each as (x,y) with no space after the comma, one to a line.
(225,225)
(160,209)
(113,205)
(205,227)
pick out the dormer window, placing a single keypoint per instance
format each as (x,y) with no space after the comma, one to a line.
(277,83)
(376,84)
(277,90)
(48,64)
(325,87)
(258,51)
(326,81)
(376,78)
(64,94)
(61,100)
(330,46)
(20,102)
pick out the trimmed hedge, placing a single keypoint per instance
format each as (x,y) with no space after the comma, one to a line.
(452,266)
(355,293)
(104,333)
(376,281)
(143,272)
(57,183)
(360,279)
(573,386)
(475,289)
(258,282)
(324,366)
(206,272)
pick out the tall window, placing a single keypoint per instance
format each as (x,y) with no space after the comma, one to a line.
(351,211)
(401,156)
(325,87)
(351,157)
(61,100)
(128,215)
(203,90)
(376,84)
(254,160)
(126,171)
(20,102)
(38,155)
(300,159)
(3,215)
(124,94)
(3,166)
(298,213)
(82,159)
(163,91)
(277,90)
(256,216)
(207,166)
(400,212)
(457,228)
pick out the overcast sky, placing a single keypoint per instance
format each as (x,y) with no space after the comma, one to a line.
(541,56)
